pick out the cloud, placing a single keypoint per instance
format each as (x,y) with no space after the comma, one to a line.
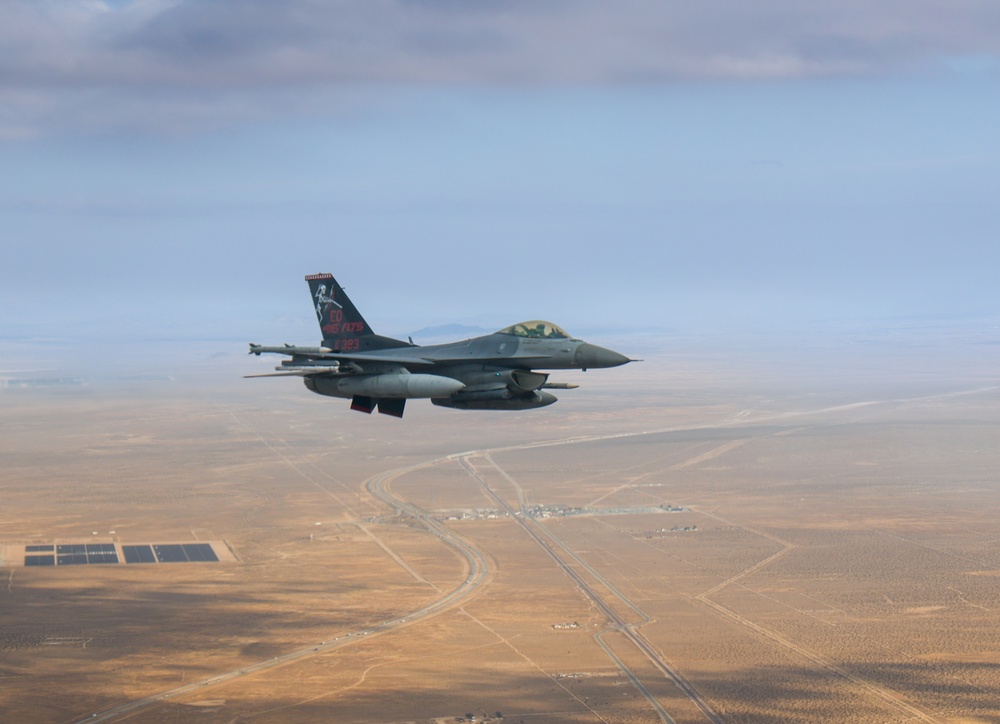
(190,64)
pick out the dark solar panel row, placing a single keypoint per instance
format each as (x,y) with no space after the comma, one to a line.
(200,552)
(138,554)
(100,548)
(72,559)
(71,548)
(40,560)
(39,549)
(170,553)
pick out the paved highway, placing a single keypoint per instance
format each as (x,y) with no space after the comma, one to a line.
(538,534)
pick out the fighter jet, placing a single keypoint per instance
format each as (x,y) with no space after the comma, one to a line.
(494,372)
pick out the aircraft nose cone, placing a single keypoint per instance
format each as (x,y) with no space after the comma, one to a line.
(590,355)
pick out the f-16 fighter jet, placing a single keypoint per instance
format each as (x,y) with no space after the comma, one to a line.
(495,372)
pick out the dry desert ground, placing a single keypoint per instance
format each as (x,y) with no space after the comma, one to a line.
(709,535)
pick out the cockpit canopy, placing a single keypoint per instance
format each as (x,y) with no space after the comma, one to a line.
(536,328)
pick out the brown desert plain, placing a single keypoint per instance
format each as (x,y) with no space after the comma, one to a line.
(723,532)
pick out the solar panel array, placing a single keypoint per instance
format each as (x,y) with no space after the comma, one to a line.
(78,554)
(184,552)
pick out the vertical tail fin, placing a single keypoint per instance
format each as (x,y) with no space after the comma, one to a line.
(343,327)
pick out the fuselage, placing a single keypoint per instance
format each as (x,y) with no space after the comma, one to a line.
(494,372)
(510,351)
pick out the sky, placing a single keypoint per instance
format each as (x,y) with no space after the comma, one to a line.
(173,168)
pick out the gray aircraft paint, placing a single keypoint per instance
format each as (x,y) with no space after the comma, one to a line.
(492,372)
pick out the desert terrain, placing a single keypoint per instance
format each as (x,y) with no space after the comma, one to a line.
(722,532)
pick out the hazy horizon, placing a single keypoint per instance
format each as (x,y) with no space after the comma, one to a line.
(174,168)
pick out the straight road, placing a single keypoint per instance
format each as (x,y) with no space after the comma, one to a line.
(617,623)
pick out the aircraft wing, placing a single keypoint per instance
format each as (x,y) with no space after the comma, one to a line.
(332,364)
(373,357)
(301,372)
(325,353)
